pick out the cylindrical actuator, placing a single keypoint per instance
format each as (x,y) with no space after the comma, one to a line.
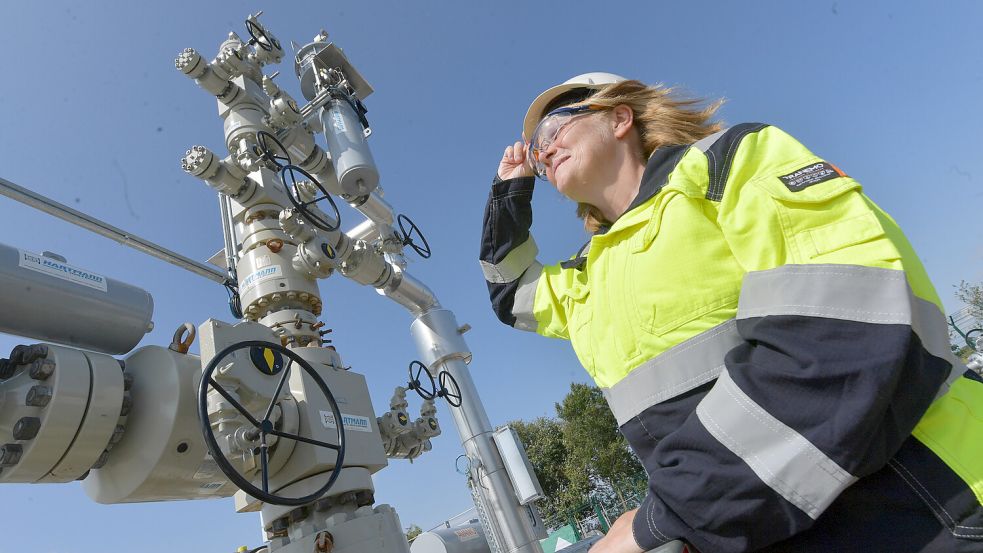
(350,154)
(46,298)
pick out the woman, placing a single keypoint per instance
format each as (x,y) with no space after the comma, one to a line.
(765,335)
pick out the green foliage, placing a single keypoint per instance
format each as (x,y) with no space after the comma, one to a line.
(412,532)
(547,452)
(580,455)
(972,296)
(596,448)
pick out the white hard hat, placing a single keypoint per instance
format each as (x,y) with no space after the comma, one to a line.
(587,82)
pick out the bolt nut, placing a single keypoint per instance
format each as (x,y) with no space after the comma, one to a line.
(364,497)
(10,454)
(117,435)
(41,369)
(124,409)
(38,396)
(7,368)
(23,355)
(101,461)
(27,428)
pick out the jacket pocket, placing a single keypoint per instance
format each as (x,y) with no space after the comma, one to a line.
(580,318)
(679,269)
(831,222)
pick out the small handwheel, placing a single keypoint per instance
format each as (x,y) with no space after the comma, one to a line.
(290,172)
(407,236)
(420,387)
(258,35)
(265,427)
(264,141)
(452,397)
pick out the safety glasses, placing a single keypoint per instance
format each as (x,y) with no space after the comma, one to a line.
(547,131)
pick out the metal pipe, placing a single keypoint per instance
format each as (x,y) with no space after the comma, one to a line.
(442,348)
(65,213)
(228,234)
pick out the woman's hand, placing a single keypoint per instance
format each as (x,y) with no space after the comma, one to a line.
(513,164)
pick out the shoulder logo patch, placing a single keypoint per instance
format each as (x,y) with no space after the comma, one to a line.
(809,175)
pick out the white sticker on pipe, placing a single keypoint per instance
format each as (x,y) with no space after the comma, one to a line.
(352,422)
(64,271)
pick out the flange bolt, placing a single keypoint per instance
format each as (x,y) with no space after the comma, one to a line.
(10,454)
(6,369)
(38,396)
(41,369)
(27,428)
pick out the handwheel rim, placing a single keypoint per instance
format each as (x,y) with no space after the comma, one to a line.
(215,451)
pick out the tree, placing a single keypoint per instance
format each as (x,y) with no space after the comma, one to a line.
(547,453)
(972,296)
(598,456)
(412,532)
(580,455)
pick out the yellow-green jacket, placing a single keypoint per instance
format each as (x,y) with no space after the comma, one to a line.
(771,347)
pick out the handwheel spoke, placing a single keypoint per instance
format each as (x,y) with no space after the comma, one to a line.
(314,201)
(305,440)
(235,403)
(279,388)
(264,462)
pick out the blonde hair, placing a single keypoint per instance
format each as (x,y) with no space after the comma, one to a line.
(662,118)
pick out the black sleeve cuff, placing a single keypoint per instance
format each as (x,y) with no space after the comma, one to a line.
(644,528)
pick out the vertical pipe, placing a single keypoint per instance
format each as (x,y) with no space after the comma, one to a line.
(442,348)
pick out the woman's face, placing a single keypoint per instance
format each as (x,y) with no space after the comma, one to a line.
(579,154)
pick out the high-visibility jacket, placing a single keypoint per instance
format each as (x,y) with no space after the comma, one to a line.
(770,345)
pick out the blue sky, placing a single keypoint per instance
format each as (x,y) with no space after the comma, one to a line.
(96,116)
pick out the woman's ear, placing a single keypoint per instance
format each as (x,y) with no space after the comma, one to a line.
(624,120)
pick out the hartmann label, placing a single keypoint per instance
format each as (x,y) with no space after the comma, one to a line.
(64,271)
(352,422)
(256,277)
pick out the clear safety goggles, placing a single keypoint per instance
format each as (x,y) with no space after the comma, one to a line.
(548,129)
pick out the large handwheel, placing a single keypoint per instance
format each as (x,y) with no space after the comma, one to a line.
(290,172)
(264,427)
(264,141)
(259,36)
(419,386)
(408,230)
(453,397)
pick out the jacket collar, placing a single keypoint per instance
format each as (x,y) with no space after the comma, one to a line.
(654,178)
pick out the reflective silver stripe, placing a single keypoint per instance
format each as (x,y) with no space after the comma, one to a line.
(848,292)
(782,458)
(525,295)
(704,144)
(510,268)
(678,370)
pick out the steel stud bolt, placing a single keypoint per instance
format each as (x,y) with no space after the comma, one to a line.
(27,428)
(38,396)
(10,454)
(117,435)
(127,405)
(101,461)
(41,369)
(7,368)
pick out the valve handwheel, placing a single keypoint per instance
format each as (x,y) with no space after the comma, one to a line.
(264,141)
(453,398)
(408,229)
(263,428)
(420,387)
(258,35)
(289,175)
